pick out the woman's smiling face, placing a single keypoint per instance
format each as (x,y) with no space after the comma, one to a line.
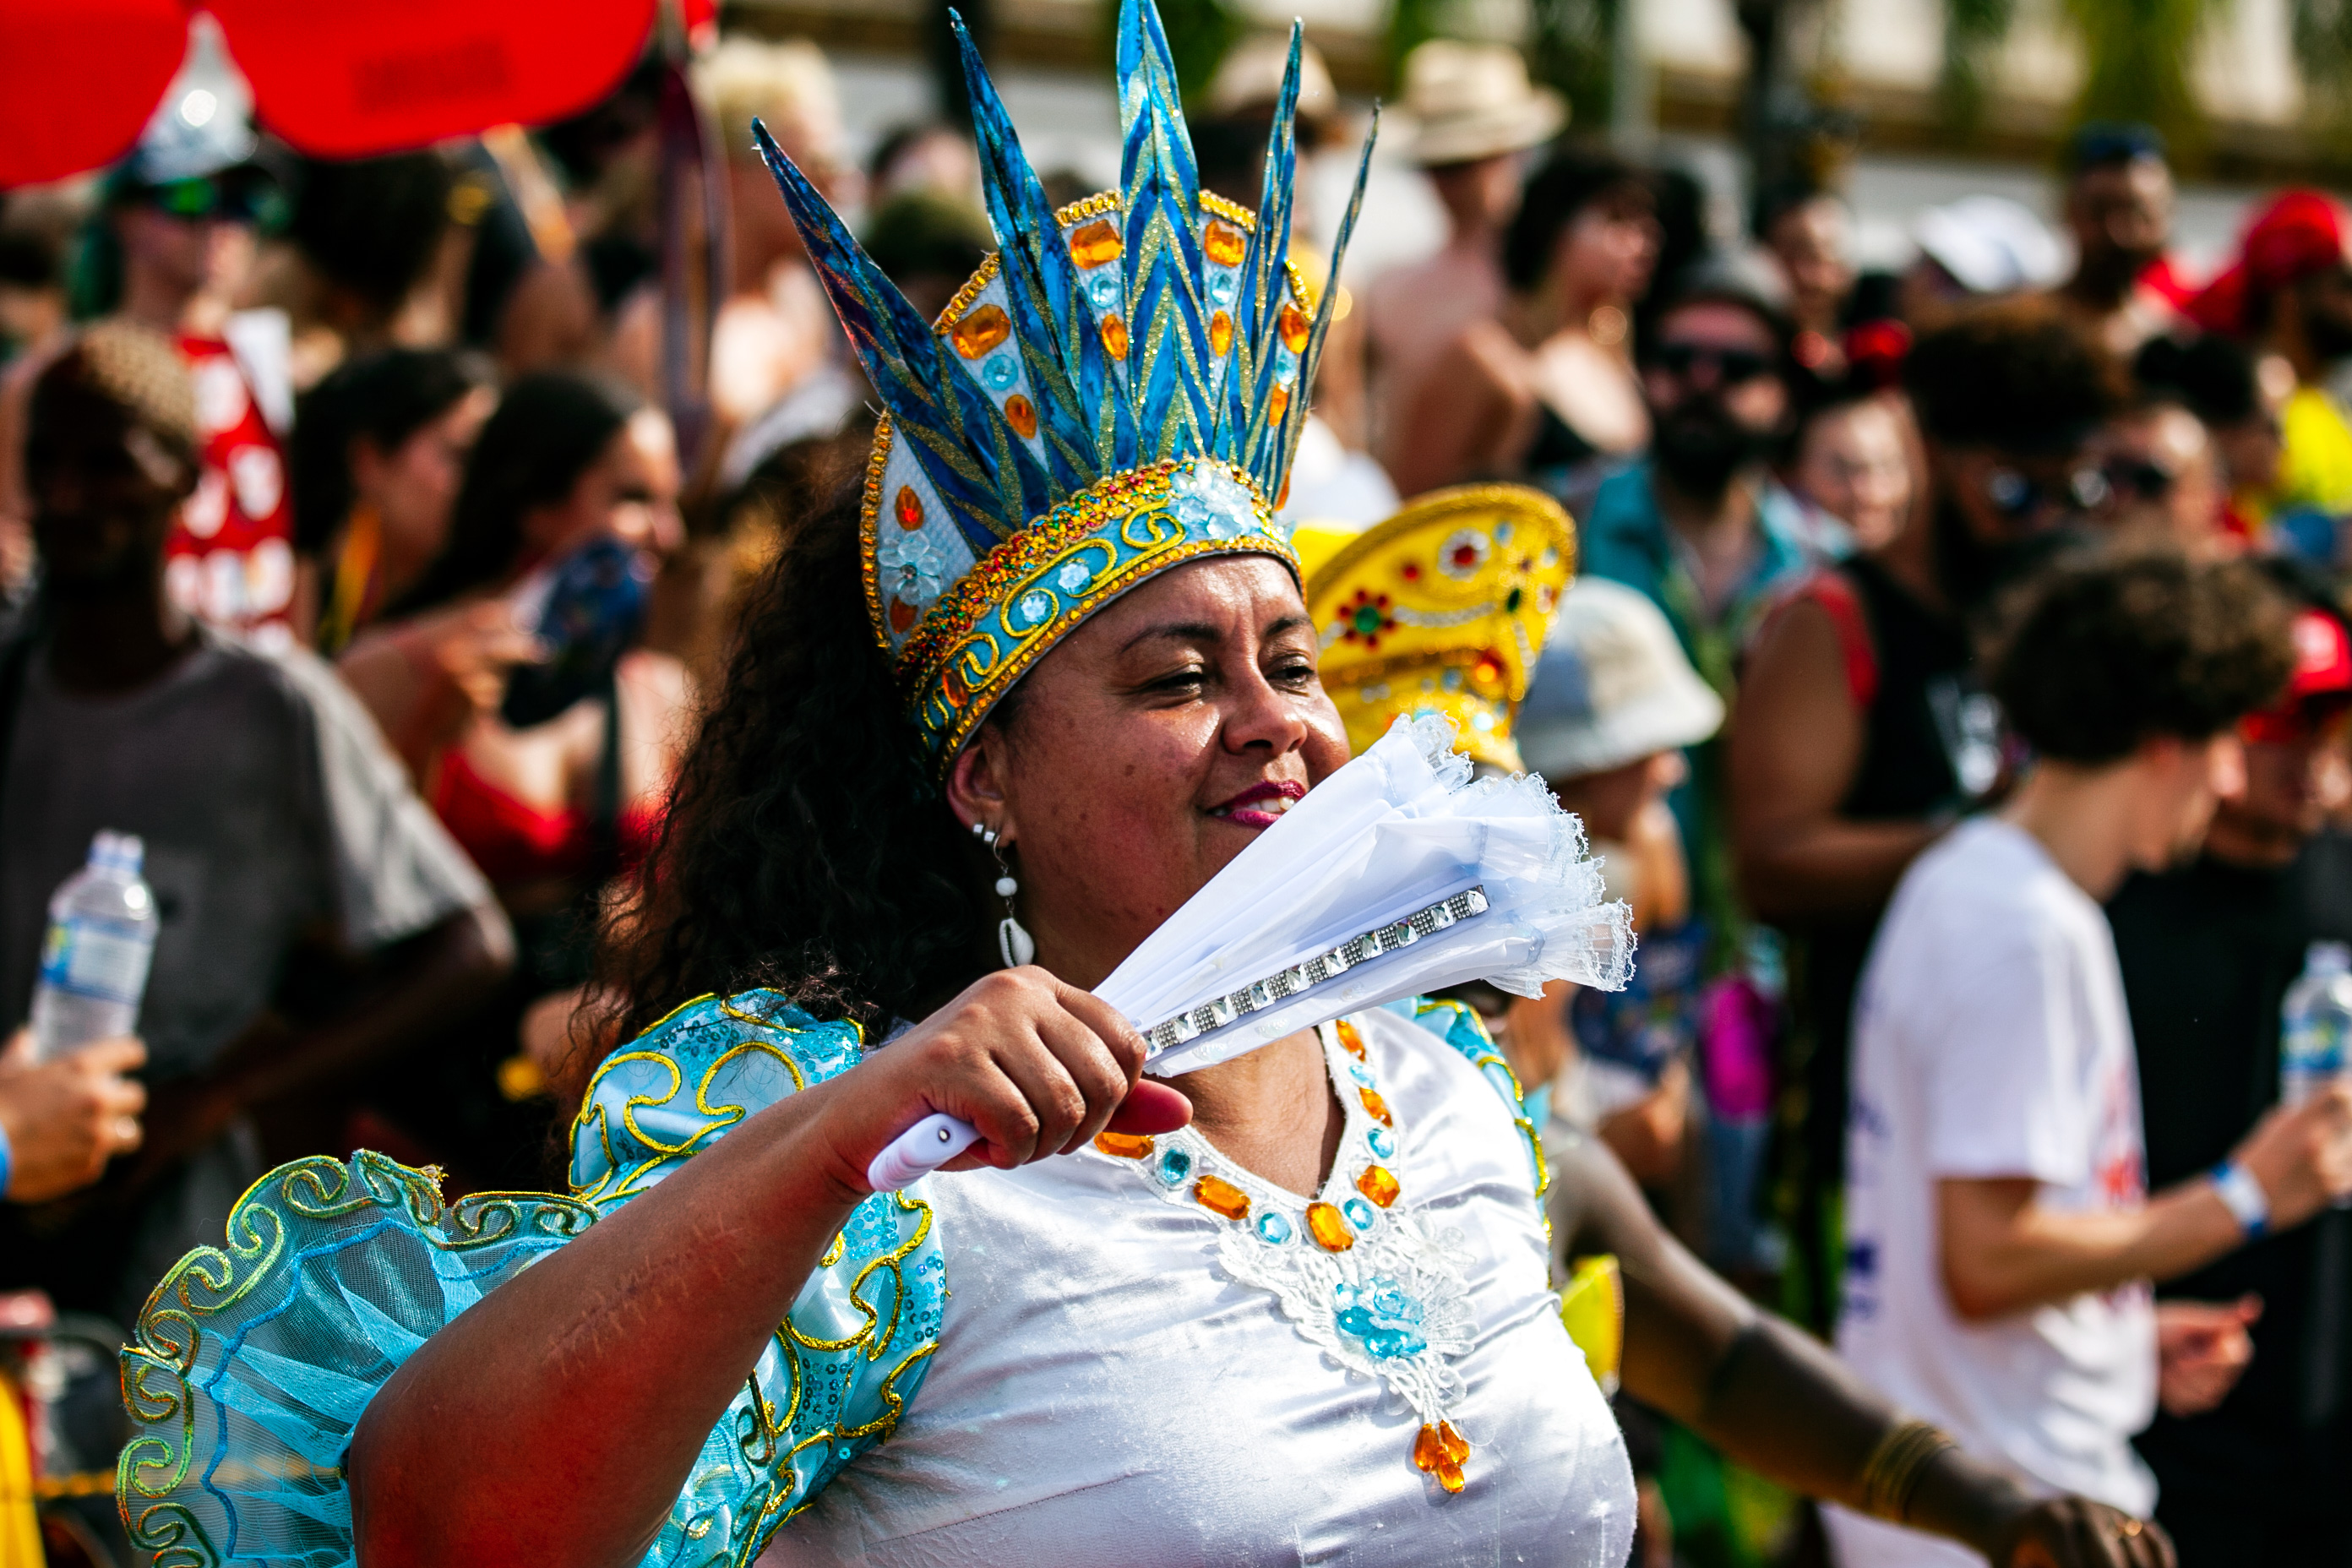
(1150,748)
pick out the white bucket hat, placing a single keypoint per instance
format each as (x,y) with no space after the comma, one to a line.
(1474,100)
(1990,245)
(1613,686)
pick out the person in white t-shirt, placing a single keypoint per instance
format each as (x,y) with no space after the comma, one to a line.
(2000,1236)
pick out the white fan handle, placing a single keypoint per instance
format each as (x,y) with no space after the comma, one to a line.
(918,1151)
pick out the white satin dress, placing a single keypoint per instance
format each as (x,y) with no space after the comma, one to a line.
(1125,1377)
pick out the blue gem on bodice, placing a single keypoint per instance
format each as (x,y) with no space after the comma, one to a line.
(1379,1315)
(1174,1166)
(1383,1142)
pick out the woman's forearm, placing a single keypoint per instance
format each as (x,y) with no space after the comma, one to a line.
(554,1421)
(1783,1406)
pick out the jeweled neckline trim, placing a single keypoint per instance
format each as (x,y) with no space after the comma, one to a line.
(1354,1269)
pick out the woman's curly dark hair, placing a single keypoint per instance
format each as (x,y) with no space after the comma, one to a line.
(805,848)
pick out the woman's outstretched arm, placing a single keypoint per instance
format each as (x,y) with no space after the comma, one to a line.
(554,1422)
(1784,1405)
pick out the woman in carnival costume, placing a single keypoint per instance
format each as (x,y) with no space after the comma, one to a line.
(1315,1322)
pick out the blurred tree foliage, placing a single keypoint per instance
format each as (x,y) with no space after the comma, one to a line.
(1973,30)
(1567,45)
(2135,56)
(2323,49)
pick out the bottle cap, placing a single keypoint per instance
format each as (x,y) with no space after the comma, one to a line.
(122,852)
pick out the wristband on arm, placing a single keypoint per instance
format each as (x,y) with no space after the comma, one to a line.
(2243,1197)
(1892,1472)
(7,1162)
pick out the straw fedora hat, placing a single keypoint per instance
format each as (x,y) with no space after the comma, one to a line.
(1474,100)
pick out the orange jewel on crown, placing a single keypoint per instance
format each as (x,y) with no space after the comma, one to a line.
(1293,325)
(909,509)
(1114,336)
(1330,1228)
(980,331)
(1221,332)
(1022,413)
(1096,243)
(1223,243)
(1221,1197)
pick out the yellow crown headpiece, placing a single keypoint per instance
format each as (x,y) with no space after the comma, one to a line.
(1442,608)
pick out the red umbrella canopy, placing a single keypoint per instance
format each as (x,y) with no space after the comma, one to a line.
(78,79)
(337,79)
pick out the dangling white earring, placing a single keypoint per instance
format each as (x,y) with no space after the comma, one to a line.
(1013,942)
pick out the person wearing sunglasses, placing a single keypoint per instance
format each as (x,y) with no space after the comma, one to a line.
(2161,470)
(1701,527)
(2207,951)
(168,250)
(1861,730)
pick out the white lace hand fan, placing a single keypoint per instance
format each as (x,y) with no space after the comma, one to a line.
(1395,877)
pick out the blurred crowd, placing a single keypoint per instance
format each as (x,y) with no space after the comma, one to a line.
(358,553)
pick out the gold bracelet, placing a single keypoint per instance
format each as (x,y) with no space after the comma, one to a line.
(1892,1472)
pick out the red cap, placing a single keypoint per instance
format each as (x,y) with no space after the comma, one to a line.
(2300,232)
(2323,657)
(2322,675)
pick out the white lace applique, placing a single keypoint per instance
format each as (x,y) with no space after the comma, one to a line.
(1374,1285)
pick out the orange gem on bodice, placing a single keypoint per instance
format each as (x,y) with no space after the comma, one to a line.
(1221,1197)
(1377,1185)
(1330,1228)
(1351,1038)
(909,507)
(1377,1106)
(1125,1145)
(1440,1451)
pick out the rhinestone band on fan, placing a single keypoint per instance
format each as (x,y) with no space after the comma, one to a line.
(1170,1033)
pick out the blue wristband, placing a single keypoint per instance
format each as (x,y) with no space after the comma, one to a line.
(2242,1197)
(7,1162)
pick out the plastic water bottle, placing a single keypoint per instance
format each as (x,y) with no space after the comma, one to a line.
(94,962)
(2316,1023)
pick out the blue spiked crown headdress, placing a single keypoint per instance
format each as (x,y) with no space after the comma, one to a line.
(1118,390)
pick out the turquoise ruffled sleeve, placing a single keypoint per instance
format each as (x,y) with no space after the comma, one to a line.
(1459,1025)
(252,1363)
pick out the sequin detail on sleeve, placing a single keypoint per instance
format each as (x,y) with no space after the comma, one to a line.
(1459,1025)
(834,1379)
(252,1363)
